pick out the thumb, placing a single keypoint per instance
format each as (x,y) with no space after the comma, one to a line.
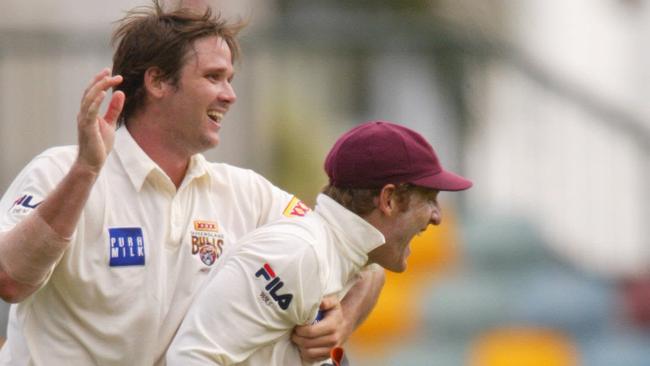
(329,302)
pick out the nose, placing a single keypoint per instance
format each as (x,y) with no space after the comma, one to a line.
(227,94)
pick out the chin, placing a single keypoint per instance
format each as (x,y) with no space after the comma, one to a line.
(397,268)
(211,141)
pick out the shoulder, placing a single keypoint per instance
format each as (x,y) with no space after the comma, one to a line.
(290,242)
(227,172)
(34,182)
(255,195)
(239,179)
(58,157)
(48,166)
(286,236)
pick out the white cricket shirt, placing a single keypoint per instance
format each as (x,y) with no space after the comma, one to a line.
(140,253)
(274,280)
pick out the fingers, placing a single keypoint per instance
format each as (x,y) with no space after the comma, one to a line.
(327,341)
(325,327)
(325,333)
(93,108)
(329,303)
(314,349)
(319,329)
(114,108)
(102,74)
(95,93)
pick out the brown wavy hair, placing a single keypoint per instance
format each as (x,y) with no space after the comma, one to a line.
(148,36)
(361,201)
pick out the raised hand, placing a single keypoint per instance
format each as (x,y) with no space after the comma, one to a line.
(95,133)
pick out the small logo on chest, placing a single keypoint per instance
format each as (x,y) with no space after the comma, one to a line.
(207,241)
(126,246)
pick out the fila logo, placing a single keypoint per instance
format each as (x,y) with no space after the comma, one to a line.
(26,201)
(273,286)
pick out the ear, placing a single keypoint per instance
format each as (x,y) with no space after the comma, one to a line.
(387,203)
(153,82)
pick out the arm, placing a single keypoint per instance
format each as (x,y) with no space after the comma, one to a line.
(31,247)
(341,319)
(248,309)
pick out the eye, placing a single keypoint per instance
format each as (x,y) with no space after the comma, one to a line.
(218,77)
(433,197)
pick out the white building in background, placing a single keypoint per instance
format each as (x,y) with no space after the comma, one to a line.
(570,151)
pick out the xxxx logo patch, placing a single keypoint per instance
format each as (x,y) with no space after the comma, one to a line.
(296,208)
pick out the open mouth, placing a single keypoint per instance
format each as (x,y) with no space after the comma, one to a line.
(215,116)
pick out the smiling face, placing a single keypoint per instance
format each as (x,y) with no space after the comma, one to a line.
(401,225)
(196,106)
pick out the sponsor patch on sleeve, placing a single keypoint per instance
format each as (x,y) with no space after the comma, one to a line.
(24,204)
(296,208)
(273,284)
(126,245)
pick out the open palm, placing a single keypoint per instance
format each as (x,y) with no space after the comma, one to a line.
(97,133)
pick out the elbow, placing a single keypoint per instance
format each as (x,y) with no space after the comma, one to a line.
(13,292)
(11,296)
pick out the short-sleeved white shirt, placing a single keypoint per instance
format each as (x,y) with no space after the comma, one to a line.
(140,253)
(274,280)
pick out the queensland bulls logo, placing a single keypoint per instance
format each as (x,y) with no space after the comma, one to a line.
(207,241)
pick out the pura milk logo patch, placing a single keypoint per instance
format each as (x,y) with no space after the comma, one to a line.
(126,245)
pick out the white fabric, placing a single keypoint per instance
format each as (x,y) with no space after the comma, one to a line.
(236,320)
(31,267)
(90,312)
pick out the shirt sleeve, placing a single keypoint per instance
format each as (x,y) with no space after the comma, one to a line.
(29,189)
(276,203)
(256,298)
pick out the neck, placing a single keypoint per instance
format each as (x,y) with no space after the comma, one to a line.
(160,148)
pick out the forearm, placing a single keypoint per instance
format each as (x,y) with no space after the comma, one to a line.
(362,297)
(29,249)
(63,206)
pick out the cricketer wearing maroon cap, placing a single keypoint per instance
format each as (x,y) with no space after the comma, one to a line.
(376,153)
(389,175)
(384,185)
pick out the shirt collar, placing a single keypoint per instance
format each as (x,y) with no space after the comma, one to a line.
(138,165)
(198,168)
(352,231)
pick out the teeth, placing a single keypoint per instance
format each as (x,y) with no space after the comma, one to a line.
(217,116)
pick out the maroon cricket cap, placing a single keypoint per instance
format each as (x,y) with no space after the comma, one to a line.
(377,153)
